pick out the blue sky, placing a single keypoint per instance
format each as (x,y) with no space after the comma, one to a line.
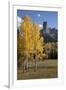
(40,16)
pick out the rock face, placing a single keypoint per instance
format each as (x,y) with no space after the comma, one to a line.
(49,34)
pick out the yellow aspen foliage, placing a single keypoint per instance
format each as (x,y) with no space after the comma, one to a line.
(38,41)
(30,40)
(26,34)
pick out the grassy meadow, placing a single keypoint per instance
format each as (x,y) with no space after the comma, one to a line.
(46,69)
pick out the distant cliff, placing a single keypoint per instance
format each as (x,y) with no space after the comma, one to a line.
(49,34)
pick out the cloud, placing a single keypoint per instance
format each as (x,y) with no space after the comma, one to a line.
(41,26)
(38,15)
(19,20)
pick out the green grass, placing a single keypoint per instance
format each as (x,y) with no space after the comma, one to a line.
(46,69)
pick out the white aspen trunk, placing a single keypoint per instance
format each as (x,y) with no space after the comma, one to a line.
(36,63)
(25,65)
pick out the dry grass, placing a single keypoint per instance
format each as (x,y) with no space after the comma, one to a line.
(46,69)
